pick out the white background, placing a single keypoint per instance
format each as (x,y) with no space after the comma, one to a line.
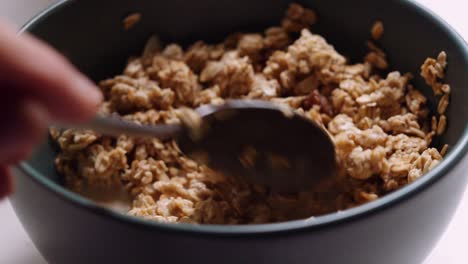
(16,248)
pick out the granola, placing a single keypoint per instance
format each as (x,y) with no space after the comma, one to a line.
(131,20)
(380,124)
(377,30)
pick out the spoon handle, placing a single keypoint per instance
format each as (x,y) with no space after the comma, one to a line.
(115,127)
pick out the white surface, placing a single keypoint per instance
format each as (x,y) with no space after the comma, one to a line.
(16,248)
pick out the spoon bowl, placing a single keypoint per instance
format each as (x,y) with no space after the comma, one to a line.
(263,143)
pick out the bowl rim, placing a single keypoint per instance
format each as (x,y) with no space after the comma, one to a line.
(453,158)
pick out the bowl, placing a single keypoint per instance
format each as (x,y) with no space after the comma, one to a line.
(401,227)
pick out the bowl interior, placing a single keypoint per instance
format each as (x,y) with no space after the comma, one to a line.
(91,35)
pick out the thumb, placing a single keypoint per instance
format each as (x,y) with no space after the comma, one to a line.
(6,182)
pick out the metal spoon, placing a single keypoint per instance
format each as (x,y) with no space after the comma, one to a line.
(258,141)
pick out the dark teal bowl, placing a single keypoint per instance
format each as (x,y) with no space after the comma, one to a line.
(401,227)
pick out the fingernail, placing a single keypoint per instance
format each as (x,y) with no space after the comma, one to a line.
(89,90)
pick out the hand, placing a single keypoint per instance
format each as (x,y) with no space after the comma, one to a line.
(37,86)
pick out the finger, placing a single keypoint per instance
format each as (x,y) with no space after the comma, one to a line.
(6,182)
(21,128)
(32,68)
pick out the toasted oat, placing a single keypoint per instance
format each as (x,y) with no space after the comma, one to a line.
(441,126)
(177,76)
(315,98)
(73,140)
(233,74)
(173,52)
(131,20)
(127,94)
(193,121)
(310,54)
(434,123)
(445,88)
(248,157)
(152,46)
(276,38)
(251,45)
(298,18)
(443,104)
(433,70)
(444,150)
(377,30)
(377,60)
(199,54)
(415,101)
(376,57)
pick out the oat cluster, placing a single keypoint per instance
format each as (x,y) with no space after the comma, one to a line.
(380,124)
